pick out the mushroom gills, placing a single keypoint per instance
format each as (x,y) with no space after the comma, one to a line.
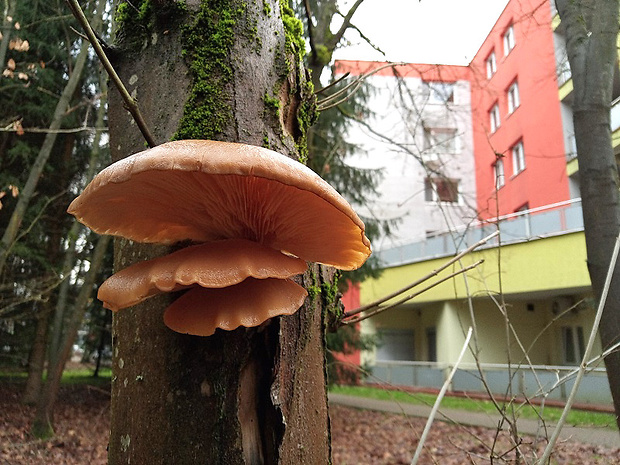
(213,265)
(200,311)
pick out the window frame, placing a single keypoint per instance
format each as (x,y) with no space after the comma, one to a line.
(433,189)
(499,171)
(491,64)
(494,118)
(440,92)
(437,146)
(518,158)
(513,97)
(508,39)
(573,341)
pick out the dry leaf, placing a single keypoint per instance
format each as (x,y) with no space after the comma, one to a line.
(22,76)
(17,26)
(14,189)
(10,64)
(17,125)
(19,45)
(7,73)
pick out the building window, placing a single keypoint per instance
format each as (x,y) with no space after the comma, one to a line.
(440,140)
(491,65)
(494,117)
(431,344)
(498,169)
(396,344)
(518,158)
(441,190)
(509,40)
(573,344)
(513,97)
(440,92)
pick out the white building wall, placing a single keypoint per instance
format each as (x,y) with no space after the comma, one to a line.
(393,140)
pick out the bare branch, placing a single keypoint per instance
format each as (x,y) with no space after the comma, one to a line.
(440,396)
(327,103)
(380,309)
(586,355)
(453,260)
(131,103)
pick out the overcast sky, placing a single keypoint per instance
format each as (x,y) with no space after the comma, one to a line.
(426,31)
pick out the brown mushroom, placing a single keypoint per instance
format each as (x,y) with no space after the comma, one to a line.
(201,310)
(206,190)
(213,264)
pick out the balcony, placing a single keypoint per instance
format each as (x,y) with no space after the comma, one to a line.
(537,223)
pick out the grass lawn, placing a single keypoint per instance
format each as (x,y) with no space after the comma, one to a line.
(550,414)
(69,377)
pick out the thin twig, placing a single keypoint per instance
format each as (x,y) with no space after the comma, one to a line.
(433,273)
(326,103)
(586,355)
(332,84)
(378,310)
(440,396)
(53,131)
(130,103)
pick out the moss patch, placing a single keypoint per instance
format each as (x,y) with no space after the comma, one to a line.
(293,31)
(207,45)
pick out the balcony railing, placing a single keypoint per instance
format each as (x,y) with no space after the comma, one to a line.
(537,223)
(529,381)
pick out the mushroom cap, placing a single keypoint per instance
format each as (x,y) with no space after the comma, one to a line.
(212,264)
(201,310)
(204,191)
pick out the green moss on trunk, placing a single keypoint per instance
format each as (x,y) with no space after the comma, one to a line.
(207,46)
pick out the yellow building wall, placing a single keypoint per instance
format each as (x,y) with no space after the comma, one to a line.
(537,266)
(555,266)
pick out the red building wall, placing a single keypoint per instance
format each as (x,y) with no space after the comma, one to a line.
(351,300)
(537,121)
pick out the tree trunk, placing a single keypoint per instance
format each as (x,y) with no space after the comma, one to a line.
(7,28)
(252,395)
(57,329)
(26,193)
(36,358)
(591,28)
(43,422)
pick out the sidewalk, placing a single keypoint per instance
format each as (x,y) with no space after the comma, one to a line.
(597,436)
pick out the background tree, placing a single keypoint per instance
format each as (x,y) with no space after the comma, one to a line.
(46,100)
(591,28)
(232,71)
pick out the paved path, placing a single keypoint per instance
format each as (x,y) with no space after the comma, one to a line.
(598,436)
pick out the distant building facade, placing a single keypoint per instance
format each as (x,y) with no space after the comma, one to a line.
(518,174)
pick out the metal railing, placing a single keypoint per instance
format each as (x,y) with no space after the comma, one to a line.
(549,220)
(533,381)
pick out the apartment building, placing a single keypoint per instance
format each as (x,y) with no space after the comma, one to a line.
(530,301)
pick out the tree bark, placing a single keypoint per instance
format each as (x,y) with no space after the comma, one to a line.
(591,28)
(248,396)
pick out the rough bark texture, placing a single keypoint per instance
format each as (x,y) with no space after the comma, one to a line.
(248,396)
(591,28)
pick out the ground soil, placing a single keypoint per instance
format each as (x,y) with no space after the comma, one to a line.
(358,437)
